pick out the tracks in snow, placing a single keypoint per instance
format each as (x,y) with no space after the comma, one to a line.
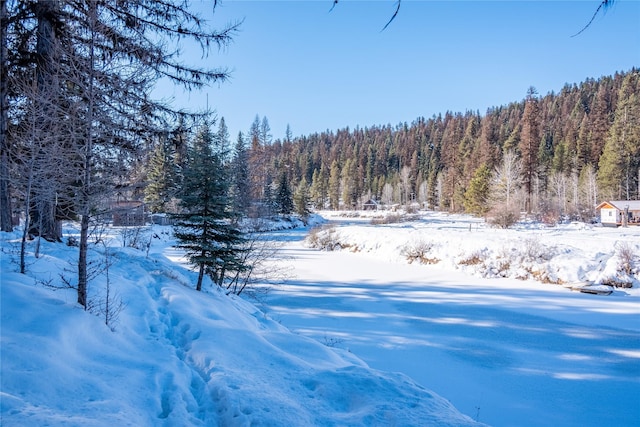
(186,393)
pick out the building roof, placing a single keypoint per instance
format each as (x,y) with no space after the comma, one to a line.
(633,205)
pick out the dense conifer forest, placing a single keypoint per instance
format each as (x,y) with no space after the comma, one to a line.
(563,151)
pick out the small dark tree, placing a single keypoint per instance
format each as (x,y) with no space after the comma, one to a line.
(284,200)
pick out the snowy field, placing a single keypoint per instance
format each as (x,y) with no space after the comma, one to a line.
(504,350)
(177,357)
(490,325)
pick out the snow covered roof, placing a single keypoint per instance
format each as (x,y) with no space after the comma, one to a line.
(633,205)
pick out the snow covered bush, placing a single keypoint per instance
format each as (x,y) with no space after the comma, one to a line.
(621,270)
(324,238)
(476,257)
(419,251)
(392,218)
(534,251)
(626,257)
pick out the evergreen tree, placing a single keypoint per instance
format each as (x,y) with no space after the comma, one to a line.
(334,186)
(161,178)
(102,58)
(240,185)
(222,142)
(268,201)
(288,135)
(284,200)
(349,184)
(477,196)
(301,199)
(529,144)
(318,190)
(620,160)
(204,229)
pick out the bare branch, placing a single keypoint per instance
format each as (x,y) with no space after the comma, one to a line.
(393,17)
(603,5)
(335,2)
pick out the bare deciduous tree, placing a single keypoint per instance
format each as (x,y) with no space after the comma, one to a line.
(507,179)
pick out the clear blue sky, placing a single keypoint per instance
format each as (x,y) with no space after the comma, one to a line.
(297,63)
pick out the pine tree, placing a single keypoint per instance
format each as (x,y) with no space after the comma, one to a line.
(161,178)
(284,200)
(222,141)
(240,185)
(268,201)
(103,59)
(316,193)
(620,160)
(477,196)
(204,229)
(529,144)
(334,186)
(349,185)
(301,199)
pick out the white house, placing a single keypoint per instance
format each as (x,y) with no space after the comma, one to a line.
(612,212)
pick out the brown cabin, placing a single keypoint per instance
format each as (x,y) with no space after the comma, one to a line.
(128,213)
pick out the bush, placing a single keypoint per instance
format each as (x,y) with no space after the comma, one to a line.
(324,238)
(388,219)
(626,257)
(503,218)
(419,251)
(394,218)
(474,258)
(534,251)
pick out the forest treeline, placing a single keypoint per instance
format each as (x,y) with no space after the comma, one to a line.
(561,154)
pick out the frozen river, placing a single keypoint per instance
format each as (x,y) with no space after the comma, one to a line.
(505,352)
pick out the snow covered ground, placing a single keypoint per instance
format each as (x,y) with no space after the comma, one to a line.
(372,334)
(177,357)
(504,350)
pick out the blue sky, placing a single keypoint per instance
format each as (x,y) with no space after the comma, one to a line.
(297,63)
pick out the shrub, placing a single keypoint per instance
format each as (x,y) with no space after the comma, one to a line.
(392,218)
(324,238)
(503,218)
(626,257)
(474,258)
(419,251)
(534,251)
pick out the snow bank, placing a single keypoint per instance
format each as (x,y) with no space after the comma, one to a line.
(564,254)
(176,356)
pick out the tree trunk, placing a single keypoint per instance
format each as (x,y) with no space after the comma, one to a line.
(85,188)
(200,277)
(43,217)
(82,261)
(6,221)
